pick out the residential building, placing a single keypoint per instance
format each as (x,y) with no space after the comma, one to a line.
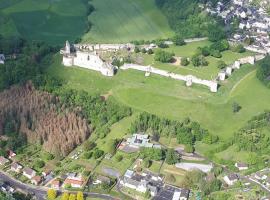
(55,184)
(16,167)
(74,181)
(141,140)
(260,176)
(3,160)
(241,166)
(29,173)
(36,180)
(102,179)
(231,179)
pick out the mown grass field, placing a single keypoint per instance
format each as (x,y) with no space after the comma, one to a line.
(126,20)
(52,21)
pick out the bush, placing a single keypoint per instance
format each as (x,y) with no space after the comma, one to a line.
(184,61)
(150,51)
(98,153)
(136,50)
(118,158)
(178,40)
(236,107)
(215,53)
(199,60)
(238,48)
(221,64)
(39,164)
(143,50)
(163,56)
(189,148)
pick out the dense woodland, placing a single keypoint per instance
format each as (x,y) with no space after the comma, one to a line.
(187,19)
(263,73)
(186,132)
(254,137)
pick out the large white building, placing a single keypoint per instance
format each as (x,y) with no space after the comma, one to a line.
(86,59)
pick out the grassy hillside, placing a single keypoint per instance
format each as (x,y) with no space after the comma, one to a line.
(126,20)
(172,99)
(53,21)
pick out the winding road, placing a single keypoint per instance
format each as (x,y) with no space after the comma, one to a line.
(41,192)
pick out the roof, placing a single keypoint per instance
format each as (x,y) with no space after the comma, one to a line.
(28,171)
(241,165)
(3,160)
(37,179)
(73,181)
(55,182)
(103,179)
(129,173)
(232,177)
(16,165)
(184,193)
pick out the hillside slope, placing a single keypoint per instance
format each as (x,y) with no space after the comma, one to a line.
(39,116)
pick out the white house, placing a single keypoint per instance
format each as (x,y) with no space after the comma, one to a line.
(74,181)
(231,179)
(16,167)
(241,166)
(3,160)
(29,173)
(260,176)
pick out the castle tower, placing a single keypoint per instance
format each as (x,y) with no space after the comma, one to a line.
(67,48)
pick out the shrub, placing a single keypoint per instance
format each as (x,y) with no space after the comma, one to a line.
(163,56)
(184,61)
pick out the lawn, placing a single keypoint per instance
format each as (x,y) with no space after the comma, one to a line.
(126,20)
(50,21)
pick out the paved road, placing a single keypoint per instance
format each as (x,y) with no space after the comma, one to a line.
(40,192)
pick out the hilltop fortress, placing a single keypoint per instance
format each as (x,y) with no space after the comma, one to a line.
(73,56)
(88,56)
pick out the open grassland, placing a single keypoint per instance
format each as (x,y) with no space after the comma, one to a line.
(172,99)
(125,20)
(206,72)
(53,21)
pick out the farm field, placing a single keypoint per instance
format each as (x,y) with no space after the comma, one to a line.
(51,21)
(121,21)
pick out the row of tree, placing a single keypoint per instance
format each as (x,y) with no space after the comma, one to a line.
(263,72)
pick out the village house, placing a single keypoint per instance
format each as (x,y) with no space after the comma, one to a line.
(46,173)
(29,173)
(55,184)
(36,180)
(74,181)
(241,166)
(260,176)
(102,179)
(3,161)
(11,154)
(231,179)
(16,167)
(182,194)
(141,140)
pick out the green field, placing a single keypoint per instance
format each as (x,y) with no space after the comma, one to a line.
(52,21)
(207,72)
(125,20)
(172,99)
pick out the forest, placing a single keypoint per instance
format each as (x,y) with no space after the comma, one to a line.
(187,19)
(263,72)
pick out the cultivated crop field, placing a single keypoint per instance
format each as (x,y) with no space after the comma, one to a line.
(125,20)
(53,21)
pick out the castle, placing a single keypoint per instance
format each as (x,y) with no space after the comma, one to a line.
(86,59)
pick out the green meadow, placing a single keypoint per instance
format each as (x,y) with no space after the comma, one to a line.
(116,21)
(52,21)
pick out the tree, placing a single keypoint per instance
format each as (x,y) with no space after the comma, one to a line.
(65,196)
(147,194)
(199,60)
(80,196)
(238,48)
(150,51)
(39,164)
(143,50)
(163,56)
(178,40)
(51,194)
(72,197)
(184,61)
(171,157)
(118,158)
(236,107)
(263,72)
(221,64)
(136,49)
(147,162)
(216,33)
(98,153)
(89,145)
(215,53)
(189,148)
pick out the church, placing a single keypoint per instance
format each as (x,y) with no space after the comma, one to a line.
(86,59)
